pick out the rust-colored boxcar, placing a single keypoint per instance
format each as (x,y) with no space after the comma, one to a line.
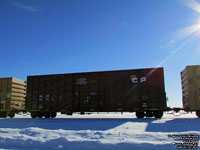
(140,90)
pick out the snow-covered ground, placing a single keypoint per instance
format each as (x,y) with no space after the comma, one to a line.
(96,131)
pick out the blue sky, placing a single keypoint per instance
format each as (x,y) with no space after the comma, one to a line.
(50,36)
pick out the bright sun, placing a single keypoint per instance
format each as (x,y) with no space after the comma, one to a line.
(198,22)
(194,29)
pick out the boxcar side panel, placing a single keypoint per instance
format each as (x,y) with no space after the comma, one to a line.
(108,91)
(137,90)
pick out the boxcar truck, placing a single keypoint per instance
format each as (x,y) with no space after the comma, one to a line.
(12,96)
(141,91)
(190,79)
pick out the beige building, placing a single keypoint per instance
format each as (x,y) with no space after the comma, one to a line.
(12,95)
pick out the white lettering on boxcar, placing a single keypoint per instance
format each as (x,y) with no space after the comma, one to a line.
(137,80)
(143,79)
(81,81)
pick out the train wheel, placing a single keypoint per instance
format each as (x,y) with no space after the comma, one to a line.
(158,114)
(53,115)
(198,113)
(34,114)
(47,115)
(11,114)
(140,114)
(3,114)
(69,114)
(82,113)
(40,114)
(149,114)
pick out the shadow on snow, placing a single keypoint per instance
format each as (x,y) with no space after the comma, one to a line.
(68,124)
(62,143)
(174,125)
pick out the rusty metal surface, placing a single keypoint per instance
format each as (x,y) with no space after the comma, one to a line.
(107,91)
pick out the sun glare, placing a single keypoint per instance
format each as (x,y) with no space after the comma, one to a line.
(198,28)
(198,22)
(193,4)
(193,29)
(184,33)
